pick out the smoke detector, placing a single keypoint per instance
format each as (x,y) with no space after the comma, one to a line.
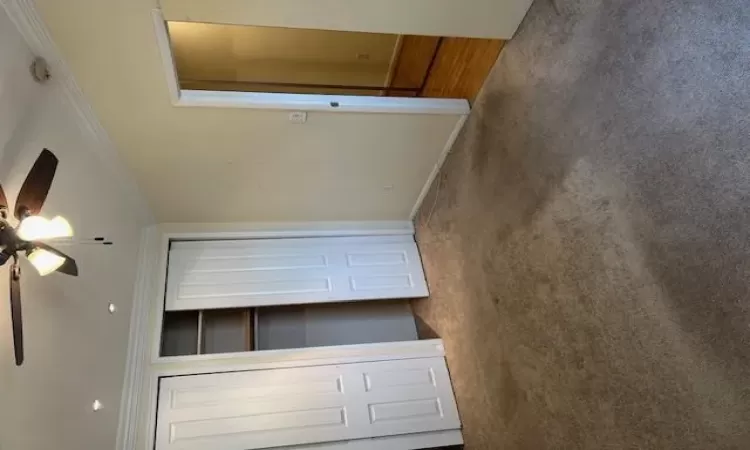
(40,70)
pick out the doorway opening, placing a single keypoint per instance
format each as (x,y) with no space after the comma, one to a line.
(255,59)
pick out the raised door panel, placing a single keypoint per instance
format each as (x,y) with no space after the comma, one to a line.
(284,407)
(408,398)
(258,409)
(226,274)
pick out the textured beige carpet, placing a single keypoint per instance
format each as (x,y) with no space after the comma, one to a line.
(589,250)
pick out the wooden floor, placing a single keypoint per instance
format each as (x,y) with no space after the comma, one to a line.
(415,59)
(460,67)
(443,67)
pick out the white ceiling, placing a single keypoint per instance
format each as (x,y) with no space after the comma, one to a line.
(239,165)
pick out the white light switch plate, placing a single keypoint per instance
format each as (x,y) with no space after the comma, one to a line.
(298,117)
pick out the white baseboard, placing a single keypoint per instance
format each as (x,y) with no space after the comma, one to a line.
(436,170)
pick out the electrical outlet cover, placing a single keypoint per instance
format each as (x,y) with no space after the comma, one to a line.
(298,117)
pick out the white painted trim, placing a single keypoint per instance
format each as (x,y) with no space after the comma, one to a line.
(438,165)
(300,357)
(137,339)
(152,392)
(270,230)
(293,102)
(25,17)
(433,439)
(167,57)
(156,297)
(310,102)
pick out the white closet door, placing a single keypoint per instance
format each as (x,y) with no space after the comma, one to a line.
(263,272)
(283,407)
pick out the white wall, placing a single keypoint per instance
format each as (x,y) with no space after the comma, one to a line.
(16,86)
(75,350)
(238,165)
(204,51)
(467,18)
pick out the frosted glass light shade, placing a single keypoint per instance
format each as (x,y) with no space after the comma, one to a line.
(45,261)
(34,228)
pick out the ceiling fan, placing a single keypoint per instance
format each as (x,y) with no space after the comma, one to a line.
(26,236)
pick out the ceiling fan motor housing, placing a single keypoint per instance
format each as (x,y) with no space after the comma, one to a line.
(7,242)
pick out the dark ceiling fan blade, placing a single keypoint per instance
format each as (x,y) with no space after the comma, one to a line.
(15,311)
(3,200)
(36,186)
(69,267)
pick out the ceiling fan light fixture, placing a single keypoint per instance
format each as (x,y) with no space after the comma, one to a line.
(27,237)
(34,228)
(60,227)
(45,262)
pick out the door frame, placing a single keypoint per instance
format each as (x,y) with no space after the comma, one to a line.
(144,367)
(293,102)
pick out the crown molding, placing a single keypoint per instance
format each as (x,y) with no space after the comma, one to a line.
(26,18)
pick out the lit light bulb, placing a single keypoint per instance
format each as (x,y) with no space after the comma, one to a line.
(59,227)
(45,261)
(34,228)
